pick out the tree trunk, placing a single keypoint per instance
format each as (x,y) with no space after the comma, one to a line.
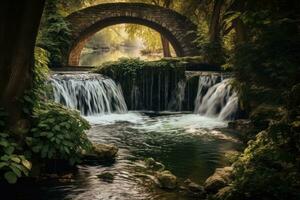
(19,23)
(240,28)
(241,32)
(214,27)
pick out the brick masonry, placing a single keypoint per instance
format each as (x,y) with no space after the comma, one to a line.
(178,29)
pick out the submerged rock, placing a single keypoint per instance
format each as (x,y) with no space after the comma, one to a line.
(102,152)
(154,165)
(193,189)
(218,180)
(167,180)
(106,176)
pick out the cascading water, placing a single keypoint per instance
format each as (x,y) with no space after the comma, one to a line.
(92,94)
(216,98)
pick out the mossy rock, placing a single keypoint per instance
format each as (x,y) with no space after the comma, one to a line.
(154,165)
(101,152)
(106,176)
(166,180)
(218,180)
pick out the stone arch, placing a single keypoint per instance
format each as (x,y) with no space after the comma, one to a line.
(179,30)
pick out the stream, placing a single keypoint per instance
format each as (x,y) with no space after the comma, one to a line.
(190,144)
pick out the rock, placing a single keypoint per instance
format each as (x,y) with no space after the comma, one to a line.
(222,193)
(240,124)
(154,165)
(218,180)
(167,180)
(193,187)
(263,114)
(106,176)
(102,152)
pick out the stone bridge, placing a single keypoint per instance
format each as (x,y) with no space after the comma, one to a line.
(179,30)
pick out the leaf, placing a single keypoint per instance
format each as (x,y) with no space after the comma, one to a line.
(57,128)
(4,143)
(10,177)
(16,171)
(3,164)
(36,149)
(5,158)
(26,164)
(9,150)
(15,159)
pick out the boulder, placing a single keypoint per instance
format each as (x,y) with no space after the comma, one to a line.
(166,179)
(218,180)
(154,165)
(102,152)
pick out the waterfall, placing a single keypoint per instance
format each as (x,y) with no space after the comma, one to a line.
(91,94)
(216,98)
(178,96)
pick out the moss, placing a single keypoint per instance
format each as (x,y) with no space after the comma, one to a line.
(264,114)
(146,85)
(269,166)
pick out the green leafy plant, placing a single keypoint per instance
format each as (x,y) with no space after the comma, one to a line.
(12,164)
(58,133)
(54,35)
(132,67)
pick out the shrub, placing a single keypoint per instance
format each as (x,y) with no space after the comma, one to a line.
(269,166)
(125,66)
(58,133)
(12,164)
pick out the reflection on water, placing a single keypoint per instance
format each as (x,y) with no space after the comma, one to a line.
(96,58)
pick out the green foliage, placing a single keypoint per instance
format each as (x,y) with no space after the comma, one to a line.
(269,166)
(267,65)
(12,164)
(130,67)
(213,52)
(40,89)
(54,35)
(58,133)
(267,75)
